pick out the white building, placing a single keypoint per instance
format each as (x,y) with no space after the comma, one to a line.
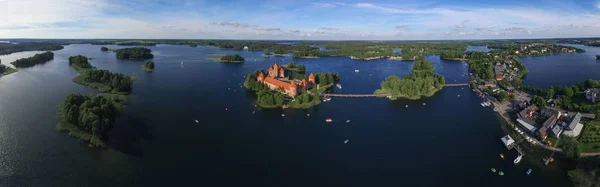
(508,142)
(573,128)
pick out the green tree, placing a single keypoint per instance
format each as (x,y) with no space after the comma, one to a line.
(36,59)
(539,101)
(135,53)
(569,92)
(570,147)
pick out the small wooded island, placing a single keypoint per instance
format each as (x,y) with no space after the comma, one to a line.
(35,59)
(282,87)
(453,55)
(134,53)
(89,118)
(232,59)
(103,49)
(421,81)
(148,66)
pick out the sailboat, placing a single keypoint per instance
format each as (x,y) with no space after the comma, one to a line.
(182,63)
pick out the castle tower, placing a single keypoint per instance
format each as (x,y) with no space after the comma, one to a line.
(311,78)
(273,70)
(281,72)
(293,88)
(260,77)
(303,84)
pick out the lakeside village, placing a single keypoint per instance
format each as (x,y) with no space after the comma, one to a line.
(543,117)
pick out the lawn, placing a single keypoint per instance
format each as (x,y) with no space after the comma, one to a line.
(590,139)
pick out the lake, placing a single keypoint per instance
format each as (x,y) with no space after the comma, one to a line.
(450,141)
(562,69)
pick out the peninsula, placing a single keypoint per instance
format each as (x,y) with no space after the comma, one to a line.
(135,53)
(89,118)
(5,70)
(421,81)
(279,87)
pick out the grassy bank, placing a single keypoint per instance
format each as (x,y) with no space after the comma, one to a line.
(304,105)
(394,97)
(215,54)
(147,69)
(307,57)
(9,71)
(590,139)
(224,61)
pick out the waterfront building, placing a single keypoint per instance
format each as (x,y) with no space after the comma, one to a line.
(573,127)
(508,142)
(592,94)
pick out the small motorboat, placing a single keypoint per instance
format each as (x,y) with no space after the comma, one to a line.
(406,106)
(494,170)
(339,86)
(253,112)
(328,120)
(328,99)
(182,63)
(347,121)
(226,109)
(356,71)
(346,141)
(502,156)
(424,104)
(501,173)
(282,115)
(197,121)
(307,114)
(457,95)
(528,172)
(518,159)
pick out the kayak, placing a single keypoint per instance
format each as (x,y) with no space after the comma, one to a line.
(494,170)
(501,173)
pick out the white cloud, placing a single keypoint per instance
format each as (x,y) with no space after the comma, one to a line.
(329,29)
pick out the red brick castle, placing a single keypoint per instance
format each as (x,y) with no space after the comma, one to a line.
(276,79)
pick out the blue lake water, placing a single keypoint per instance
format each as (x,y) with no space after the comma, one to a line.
(562,69)
(450,141)
(479,48)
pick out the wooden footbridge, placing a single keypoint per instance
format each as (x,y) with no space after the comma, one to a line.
(382,95)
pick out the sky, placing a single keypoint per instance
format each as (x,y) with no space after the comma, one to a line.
(300,20)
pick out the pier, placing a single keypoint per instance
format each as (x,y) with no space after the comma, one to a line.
(456,85)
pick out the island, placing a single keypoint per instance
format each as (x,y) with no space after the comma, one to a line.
(148,66)
(89,118)
(279,52)
(105,81)
(598,57)
(103,49)
(5,70)
(80,62)
(421,81)
(35,59)
(230,59)
(279,87)
(135,53)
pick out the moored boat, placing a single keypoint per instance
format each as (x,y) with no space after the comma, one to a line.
(339,86)
(494,170)
(197,121)
(501,173)
(346,141)
(502,156)
(328,120)
(518,159)
(528,172)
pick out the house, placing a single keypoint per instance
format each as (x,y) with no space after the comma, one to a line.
(542,133)
(508,142)
(573,127)
(245,47)
(490,84)
(592,94)
(556,130)
(525,118)
(549,112)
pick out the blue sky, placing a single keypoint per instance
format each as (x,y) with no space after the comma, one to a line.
(299,20)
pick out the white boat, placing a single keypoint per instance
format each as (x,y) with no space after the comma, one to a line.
(282,115)
(182,63)
(339,86)
(518,159)
(347,121)
(197,121)
(346,141)
(483,105)
(356,71)
(328,120)
(328,99)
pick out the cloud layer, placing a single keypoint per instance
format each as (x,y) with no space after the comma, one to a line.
(294,20)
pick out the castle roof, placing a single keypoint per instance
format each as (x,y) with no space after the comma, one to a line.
(292,84)
(278,83)
(311,76)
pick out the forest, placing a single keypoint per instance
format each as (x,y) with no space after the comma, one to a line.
(35,59)
(586,172)
(106,81)
(94,115)
(421,81)
(8,48)
(232,58)
(135,53)
(265,97)
(296,68)
(452,55)
(148,66)
(79,62)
